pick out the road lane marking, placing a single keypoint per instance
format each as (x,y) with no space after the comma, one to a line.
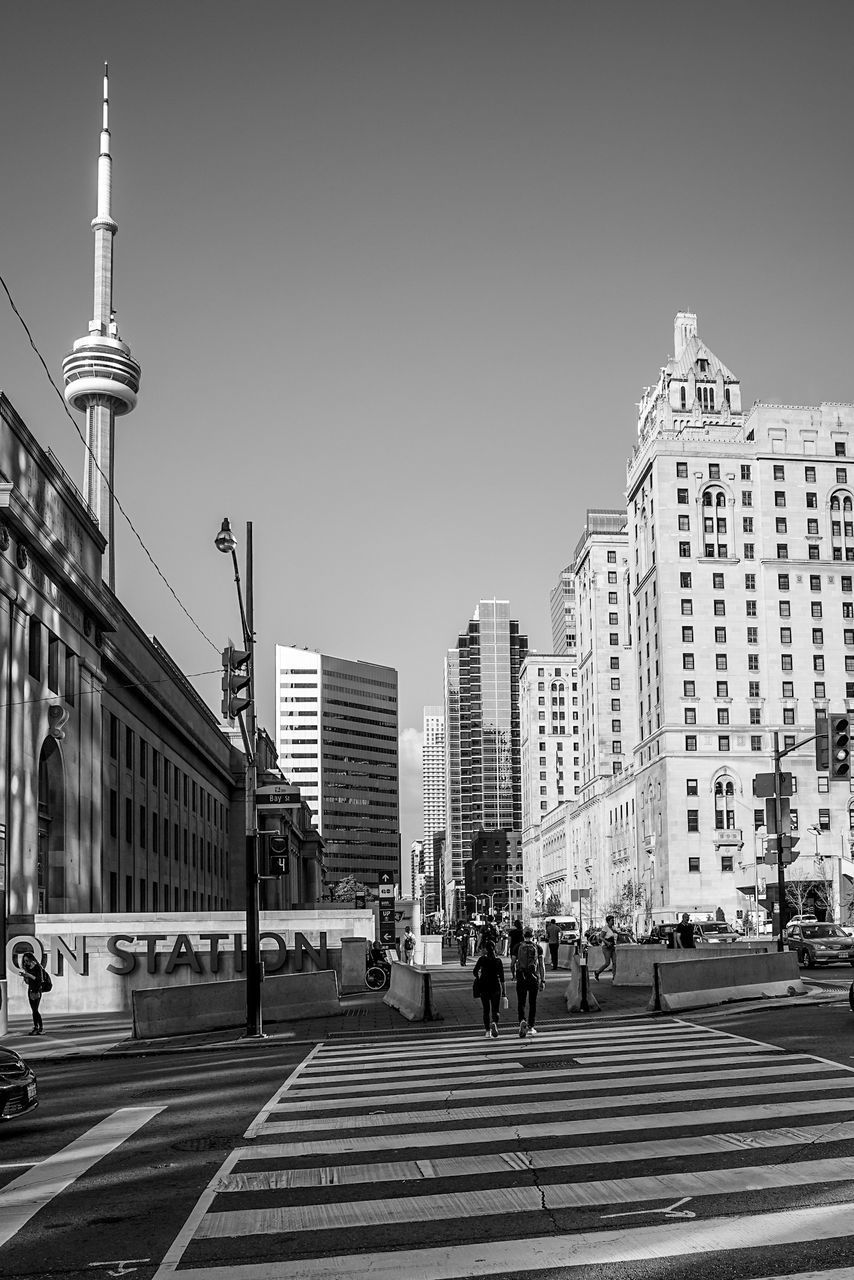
(517,1133)
(25,1195)
(490,1201)
(261,1118)
(319,1107)
(504,1162)
(632,1243)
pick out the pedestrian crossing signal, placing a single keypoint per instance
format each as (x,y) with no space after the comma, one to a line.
(277,854)
(840,746)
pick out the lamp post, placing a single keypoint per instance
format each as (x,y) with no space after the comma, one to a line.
(226,542)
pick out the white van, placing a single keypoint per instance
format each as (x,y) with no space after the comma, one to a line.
(568,926)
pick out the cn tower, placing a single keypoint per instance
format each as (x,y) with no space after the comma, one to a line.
(101,376)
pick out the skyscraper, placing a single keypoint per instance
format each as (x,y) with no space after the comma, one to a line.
(482,739)
(337,738)
(101,376)
(563,616)
(433,781)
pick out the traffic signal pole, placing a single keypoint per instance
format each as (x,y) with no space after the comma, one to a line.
(778,814)
(254,1024)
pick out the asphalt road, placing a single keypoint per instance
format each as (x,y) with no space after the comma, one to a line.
(132,1203)
(444,1155)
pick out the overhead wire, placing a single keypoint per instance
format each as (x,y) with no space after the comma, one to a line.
(86,446)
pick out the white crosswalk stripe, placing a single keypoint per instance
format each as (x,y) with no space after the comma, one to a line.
(447,1156)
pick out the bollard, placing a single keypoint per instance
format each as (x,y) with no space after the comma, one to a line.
(585,1005)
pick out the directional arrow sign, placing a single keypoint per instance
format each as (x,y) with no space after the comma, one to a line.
(385,878)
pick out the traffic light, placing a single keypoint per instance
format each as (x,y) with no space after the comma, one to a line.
(235,676)
(822,743)
(275,854)
(840,747)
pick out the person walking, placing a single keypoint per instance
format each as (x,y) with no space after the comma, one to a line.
(409,945)
(685,933)
(553,939)
(609,948)
(463,941)
(514,939)
(38,981)
(530,980)
(489,975)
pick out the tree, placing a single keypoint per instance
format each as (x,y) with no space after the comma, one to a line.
(345,890)
(554,905)
(799,895)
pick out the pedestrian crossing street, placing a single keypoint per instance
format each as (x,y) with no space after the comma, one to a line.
(630,1144)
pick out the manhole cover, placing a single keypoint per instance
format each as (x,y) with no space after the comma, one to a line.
(548,1064)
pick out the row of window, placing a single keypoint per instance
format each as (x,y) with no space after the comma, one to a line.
(48,657)
(149,827)
(779,471)
(185,900)
(186,790)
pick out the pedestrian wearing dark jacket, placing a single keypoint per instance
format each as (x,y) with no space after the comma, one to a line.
(35,978)
(489,973)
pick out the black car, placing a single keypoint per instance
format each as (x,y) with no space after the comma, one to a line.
(18,1086)
(819,944)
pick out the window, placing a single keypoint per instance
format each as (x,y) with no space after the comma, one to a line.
(615,664)
(717,582)
(691,787)
(812,500)
(785,609)
(719,608)
(685,550)
(688,689)
(612,577)
(128,747)
(726,863)
(818,662)
(755,742)
(693,820)
(815,609)
(746,498)
(690,715)
(723,742)
(745,471)
(785,635)
(818,690)
(684,524)
(687,608)
(35,649)
(785,662)
(690,742)
(782,551)
(779,498)
(755,715)
(846,583)
(685,581)
(809,475)
(788,715)
(839,448)
(723,715)
(753,689)
(841,475)
(824,819)
(612,557)
(750,582)
(70,691)
(812,526)
(615,682)
(788,689)
(720,662)
(682,470)
(687,662)
(818,635)
(682,497)
(747,524)
(720,635)
(782,582)
(815,582)
(687,635)
(694,865)
(714,471)
(613,620)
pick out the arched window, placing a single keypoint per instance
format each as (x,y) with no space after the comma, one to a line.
(724,805)
(842,530)
(682,399)
(715,540)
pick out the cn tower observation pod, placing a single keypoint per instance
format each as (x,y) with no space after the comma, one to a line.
(99,366)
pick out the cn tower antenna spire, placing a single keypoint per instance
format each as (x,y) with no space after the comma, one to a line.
(101,376)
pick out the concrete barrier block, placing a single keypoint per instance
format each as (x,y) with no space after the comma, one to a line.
(354,952)
(218,1006)
(431,945)
(574,995)
(635,962)
(411,992)
(687,984)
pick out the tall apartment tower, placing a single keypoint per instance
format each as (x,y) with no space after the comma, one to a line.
(482,737)
(101,376)
(433,781)
(741,548)
(562,611)
(337,738)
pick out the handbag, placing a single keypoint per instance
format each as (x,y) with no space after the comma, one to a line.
(505,1003)
(477,988)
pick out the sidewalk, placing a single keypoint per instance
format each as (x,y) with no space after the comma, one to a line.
(363,1014)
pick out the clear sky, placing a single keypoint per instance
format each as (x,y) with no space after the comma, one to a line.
(397,274)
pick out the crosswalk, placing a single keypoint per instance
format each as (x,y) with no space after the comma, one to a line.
(662,1146)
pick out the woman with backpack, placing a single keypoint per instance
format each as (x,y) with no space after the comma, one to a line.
(38,980)
(489,985)
(530,979)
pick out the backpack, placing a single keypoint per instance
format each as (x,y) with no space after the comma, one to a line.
(526,959)
(408,942)
(47,981)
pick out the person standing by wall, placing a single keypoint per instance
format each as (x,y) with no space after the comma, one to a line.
(38,981)
(408,945)
(553,939)
(685,933)
(489,976)
(530,980)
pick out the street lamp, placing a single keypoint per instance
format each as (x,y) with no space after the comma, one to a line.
(226,542)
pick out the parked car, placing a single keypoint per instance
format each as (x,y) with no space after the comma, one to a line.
(714,933)
(18,1086)
(818,943)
